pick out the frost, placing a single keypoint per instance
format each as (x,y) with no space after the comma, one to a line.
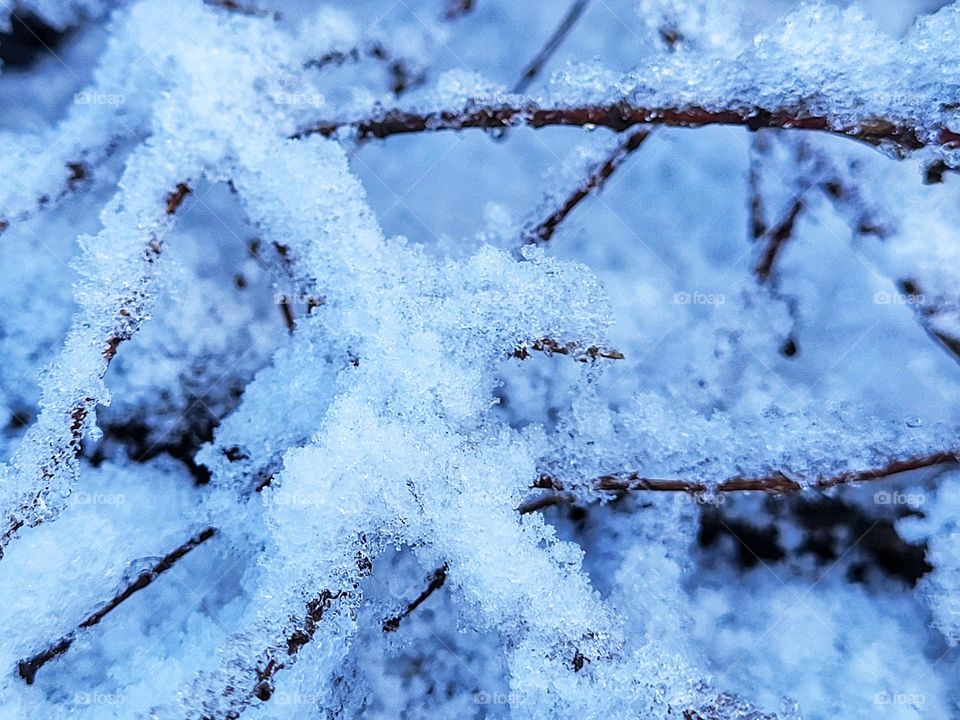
(534,423)
(938,527)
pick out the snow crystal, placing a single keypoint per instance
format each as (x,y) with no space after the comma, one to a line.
(307,425)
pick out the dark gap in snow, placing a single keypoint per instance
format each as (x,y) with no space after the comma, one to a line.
(28,40)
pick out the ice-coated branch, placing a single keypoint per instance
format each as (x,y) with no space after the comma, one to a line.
(549,346)
(621,116)
(273,658)
(53,443)
(776,482)
(28,667)
(256,681)
(437,578)
(594,182)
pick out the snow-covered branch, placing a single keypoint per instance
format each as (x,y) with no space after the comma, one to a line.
(620,116)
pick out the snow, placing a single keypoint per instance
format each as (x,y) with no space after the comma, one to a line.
(343,357)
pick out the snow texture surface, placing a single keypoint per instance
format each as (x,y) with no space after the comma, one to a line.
(350,367)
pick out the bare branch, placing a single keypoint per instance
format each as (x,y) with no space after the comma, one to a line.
(549,346)
(776,238)
(621,116)
(402,75)
(544,231)
(535,66)
(457,9)
(776,482)
(28,667)
(928,312)
(437,579)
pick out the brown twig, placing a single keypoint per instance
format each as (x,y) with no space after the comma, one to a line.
(549,346)
(287,312)
(776,482)
(263,478)
(776,238)
(402,76)
(927,313)
(758,222)
(535,66)
(622,116)
(274,659)
(274,662)
(242,8)
(457,8)
(544,231)
(28,667)
(620,483)
(437,579)
(847,196)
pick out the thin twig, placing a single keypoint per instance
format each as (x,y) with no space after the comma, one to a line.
(274,662)
(535,66)
(544,231)
(457,9)
(263,478)
(927,313)
(621,116)
(758,223)
(776,238)
(549,347)
(437,579)
(28,667)
(402,76)
(620,483)
(777,482)
(242,8)
(273,659)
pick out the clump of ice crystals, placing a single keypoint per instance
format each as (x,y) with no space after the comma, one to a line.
(396,429)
